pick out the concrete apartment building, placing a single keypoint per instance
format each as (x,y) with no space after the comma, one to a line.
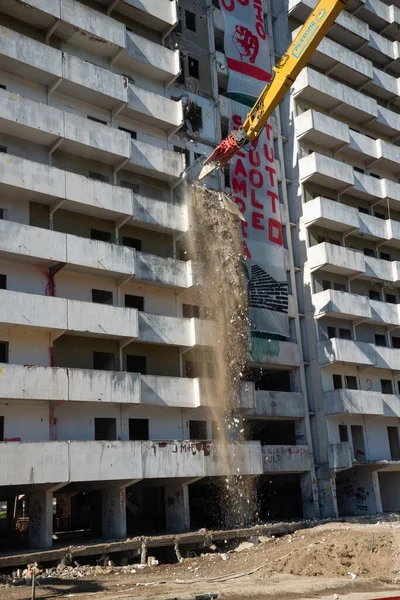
(104,421)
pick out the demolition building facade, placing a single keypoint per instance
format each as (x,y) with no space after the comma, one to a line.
(104,423)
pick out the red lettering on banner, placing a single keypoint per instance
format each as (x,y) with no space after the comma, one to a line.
(239,169)
(256,221)
(254,201)
(275,233)
(228,5)
(271,172)
(237,120)
(256,179)
(268,129)
(244,229)
(274,198)
(254,158)
(239,186)
(241,204)
(269,153)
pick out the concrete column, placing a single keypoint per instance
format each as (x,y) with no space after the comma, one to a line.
(307,496)
(10,517)
(113,504)
(40,509)
(177,515)
(377,490)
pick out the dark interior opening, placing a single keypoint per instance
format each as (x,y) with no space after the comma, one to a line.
(276,432)
(105,428)
(104,361)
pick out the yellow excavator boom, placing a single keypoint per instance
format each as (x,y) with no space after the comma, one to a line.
(285,73)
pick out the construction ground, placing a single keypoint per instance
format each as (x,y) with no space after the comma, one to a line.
(337,560)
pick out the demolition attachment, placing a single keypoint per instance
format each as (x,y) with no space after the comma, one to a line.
(224,152)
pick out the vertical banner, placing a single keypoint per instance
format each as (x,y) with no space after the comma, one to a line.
(253,175)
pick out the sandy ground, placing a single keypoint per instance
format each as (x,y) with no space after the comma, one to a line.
(314,563)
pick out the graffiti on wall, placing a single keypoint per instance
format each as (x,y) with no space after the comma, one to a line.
(185,447)
(276,454)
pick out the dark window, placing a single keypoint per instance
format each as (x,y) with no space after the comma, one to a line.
(337,382)
(385,256)
(391,298)
(198,430)
(209,314)
(96,120)
(193,65)
(3,282)
(98,176)
(380,340)
(321,239)
(345,334)
(375,175)
(190,20)
(398,386)
(134,301)
(136,364)
(130,185)
(1,429)
(386,386)
(105,429)
(227,178)
(369,252)
(132,133)
(393,435)
(351,382)
(374,295)
(132,242)
(339,287)
(3,149)
(395,342)
(2,86)
(138,429)
(193,369)
(326,285)
(104,361)
(3,214)
(359,170)
(343,433)
(363,210)
(102,236)
(102,297)
(190,310)
(379,215)
(331,332)
(185,152)
(334,242)
(3,352)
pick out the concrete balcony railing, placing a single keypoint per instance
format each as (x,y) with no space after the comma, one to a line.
(59,314)
(153,109)
(287,405)
(384,312)
(156,14)
(286,459)
(45,247)
(330,215)
(123,461)
(315,127)
(104,35)
(340,456)
(320,169)
(88,196)
(155,162)
(336,259)
(332,303)
(337,350)
(21,382)
(149,58)
(178,331)
(361,402)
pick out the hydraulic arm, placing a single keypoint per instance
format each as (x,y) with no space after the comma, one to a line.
(285,73)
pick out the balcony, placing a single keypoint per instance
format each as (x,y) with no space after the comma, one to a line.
(325,171)
(286,459)
(155,14)
(351,352)
(285,354)
(153,109)
(155,162)
(22,382)
(123,462)
(178,331)
(336,259)
(340,456)
(361,402)
(317,128)
(103,35)
(149,58)
(329,94)
(331,215)
(384,312)
(332,303)
(284,405)
(61,315)
(163,271)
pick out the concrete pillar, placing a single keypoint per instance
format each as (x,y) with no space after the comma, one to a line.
(10,517)
(307,496)
(377,490)
(113,504)
(40,509)
(177,515)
